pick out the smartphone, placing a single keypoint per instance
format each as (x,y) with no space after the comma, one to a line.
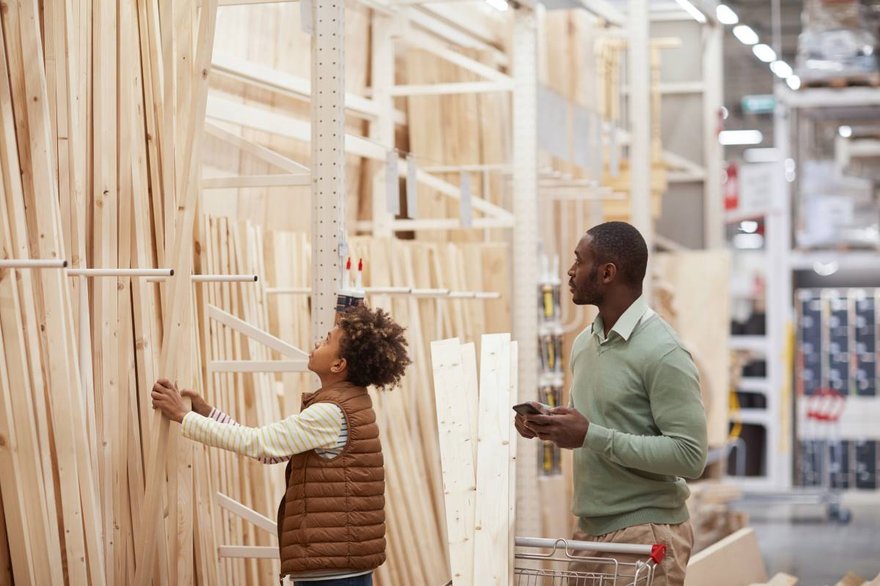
(527,409)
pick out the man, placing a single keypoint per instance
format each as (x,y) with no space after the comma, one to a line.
(636,421)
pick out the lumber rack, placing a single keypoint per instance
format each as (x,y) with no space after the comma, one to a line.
(415,292)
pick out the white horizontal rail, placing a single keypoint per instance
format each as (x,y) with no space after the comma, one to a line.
(248,514)
(255,333)
(398,291)
(572,545)
(225,278)
(258,365)
(32,263)
(209,278)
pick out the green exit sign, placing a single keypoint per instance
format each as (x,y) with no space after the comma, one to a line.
(758,104)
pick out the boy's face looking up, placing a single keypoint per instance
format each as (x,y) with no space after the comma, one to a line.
(325,358)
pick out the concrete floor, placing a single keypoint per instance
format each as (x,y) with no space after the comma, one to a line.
(801,541)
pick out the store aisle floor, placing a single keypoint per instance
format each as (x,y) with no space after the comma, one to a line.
(799,540)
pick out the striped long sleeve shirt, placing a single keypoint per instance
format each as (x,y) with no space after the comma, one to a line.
(320,427)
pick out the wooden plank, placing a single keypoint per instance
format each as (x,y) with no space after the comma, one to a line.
(248,514)
(512,399)
(259,151)
(456,451)
(248,551)
(178,318)
(492,525)
(5,560)
(249,181)
(698,279)
(78,483)
(12,486)
(26,409)
(733,561)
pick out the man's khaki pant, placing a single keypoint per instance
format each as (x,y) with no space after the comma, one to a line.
(678,539)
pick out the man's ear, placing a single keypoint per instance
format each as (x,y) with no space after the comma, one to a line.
(609,272)
(339,366)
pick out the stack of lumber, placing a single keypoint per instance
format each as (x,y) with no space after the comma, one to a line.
(734,561)
(478,456)
(102,104)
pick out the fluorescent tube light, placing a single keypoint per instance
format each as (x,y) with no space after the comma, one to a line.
(794,82)
(745,34)
(725,15)
(692,10)
(764,52)
(845,131)
(781,69)
(740,137)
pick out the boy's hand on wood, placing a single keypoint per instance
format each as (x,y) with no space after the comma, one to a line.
(199,405)
(167,399)
(564,426)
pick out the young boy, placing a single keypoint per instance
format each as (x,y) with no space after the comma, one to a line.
(331,520)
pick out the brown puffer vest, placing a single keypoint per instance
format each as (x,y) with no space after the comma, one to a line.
(332,516)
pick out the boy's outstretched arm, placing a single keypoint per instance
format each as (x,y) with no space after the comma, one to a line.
(318,426)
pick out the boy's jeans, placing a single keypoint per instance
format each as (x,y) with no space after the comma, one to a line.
(365,580)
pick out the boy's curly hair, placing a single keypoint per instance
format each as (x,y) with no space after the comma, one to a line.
(374,346)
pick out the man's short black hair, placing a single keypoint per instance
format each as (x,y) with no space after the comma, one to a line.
(620,243)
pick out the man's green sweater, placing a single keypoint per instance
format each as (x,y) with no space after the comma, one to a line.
(640,391)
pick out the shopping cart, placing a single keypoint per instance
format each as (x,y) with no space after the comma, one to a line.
(561,562)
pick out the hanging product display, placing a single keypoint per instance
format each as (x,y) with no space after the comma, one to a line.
(550,336)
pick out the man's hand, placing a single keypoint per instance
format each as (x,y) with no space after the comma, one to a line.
(564,426)
(167,399)
(199,405)
(520,422)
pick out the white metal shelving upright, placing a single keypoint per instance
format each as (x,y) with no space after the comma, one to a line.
(785,258)
(328,158)
(525,248)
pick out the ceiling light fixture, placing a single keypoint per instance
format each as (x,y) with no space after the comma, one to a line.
(781,69)
(725,15)
(745,34)
(692,10)
(845,131)
(794,82)
(740,137)
(764,52)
